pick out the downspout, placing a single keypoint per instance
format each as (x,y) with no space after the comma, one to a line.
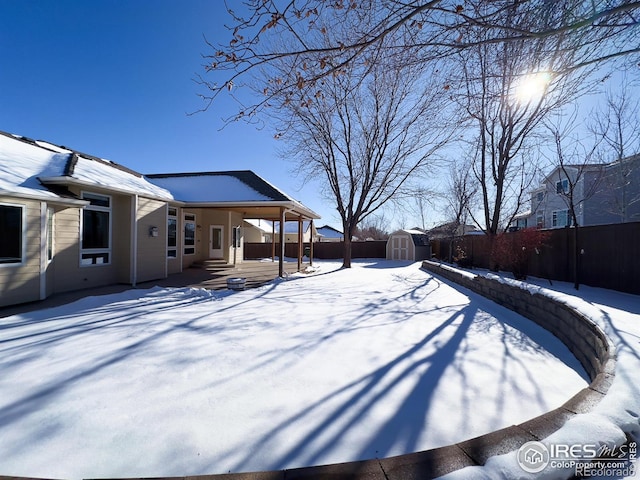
(311,243)
(43,250)
(281,259)
(273,240)
(300,244)
(134,241)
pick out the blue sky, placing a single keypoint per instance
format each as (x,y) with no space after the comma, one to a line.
(114,78)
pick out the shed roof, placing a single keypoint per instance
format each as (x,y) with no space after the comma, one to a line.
(418,237)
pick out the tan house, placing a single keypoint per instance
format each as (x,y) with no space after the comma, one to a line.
(70,221)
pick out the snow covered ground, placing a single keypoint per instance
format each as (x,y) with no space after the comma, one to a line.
(377,360)
(618,314)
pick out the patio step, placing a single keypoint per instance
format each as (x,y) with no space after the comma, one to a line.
(212,265)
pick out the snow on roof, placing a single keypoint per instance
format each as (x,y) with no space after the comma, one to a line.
(108,175)
(26,165)
(260,224)
(22,163)
(209,187)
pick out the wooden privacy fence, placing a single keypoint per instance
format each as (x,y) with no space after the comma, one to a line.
(609,255)
(321,250)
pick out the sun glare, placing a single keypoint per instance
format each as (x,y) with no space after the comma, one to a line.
(532,86)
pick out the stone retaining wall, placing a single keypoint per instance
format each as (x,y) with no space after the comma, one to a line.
(584,339)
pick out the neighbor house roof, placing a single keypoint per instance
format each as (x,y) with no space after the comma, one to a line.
(329,232)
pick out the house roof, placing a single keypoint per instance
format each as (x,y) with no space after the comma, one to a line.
(38,169)
(230,186)
(21,178)
(261,224)
(240,190)
(329,232)
(33,167)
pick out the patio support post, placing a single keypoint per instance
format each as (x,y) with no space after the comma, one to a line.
(281,260)
(273,240)
(300,245)
(311,243)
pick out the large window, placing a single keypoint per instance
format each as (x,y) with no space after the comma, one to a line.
(540,219)
(189,234)
(12,236)
(95,245)
(172,232)
(561,218)
(562,186)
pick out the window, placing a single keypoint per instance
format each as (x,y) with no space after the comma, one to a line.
(562,186)
(12,237)
(540,196)
(521,223)
(560,218)
(540,219)
(49,234)
(189,234)
(172,232)
(95,244)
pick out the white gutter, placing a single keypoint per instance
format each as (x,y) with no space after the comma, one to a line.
(44,198)
(128,191)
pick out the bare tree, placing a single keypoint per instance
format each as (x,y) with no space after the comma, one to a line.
(369,133)
(425,29)
(461,190)
(507,90)
(618,123)
(579,176)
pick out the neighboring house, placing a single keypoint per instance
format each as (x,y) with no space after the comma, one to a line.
(448,230)
(329,234)
(309,232)
(603,193)
(408,245)
(69,220)
(258,230)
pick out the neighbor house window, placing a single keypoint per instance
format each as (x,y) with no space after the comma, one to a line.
(12,237)
(521,223)
(560,218)
(189,234)
(172,232)
(562,186)
(540,219)
(95,245)
(540,196)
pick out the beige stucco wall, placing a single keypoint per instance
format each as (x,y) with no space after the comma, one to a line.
(205,218)
(152,251)
(68,274)
(21,283)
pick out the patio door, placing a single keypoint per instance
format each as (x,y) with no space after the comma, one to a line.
(216,236)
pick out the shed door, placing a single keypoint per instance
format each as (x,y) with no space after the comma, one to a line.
(400,248)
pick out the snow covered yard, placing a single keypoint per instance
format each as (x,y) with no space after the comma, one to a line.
(378,360)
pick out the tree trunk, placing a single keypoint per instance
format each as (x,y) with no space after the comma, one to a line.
(576,259)
(346,262)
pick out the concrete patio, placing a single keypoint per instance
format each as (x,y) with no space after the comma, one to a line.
(211,275)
